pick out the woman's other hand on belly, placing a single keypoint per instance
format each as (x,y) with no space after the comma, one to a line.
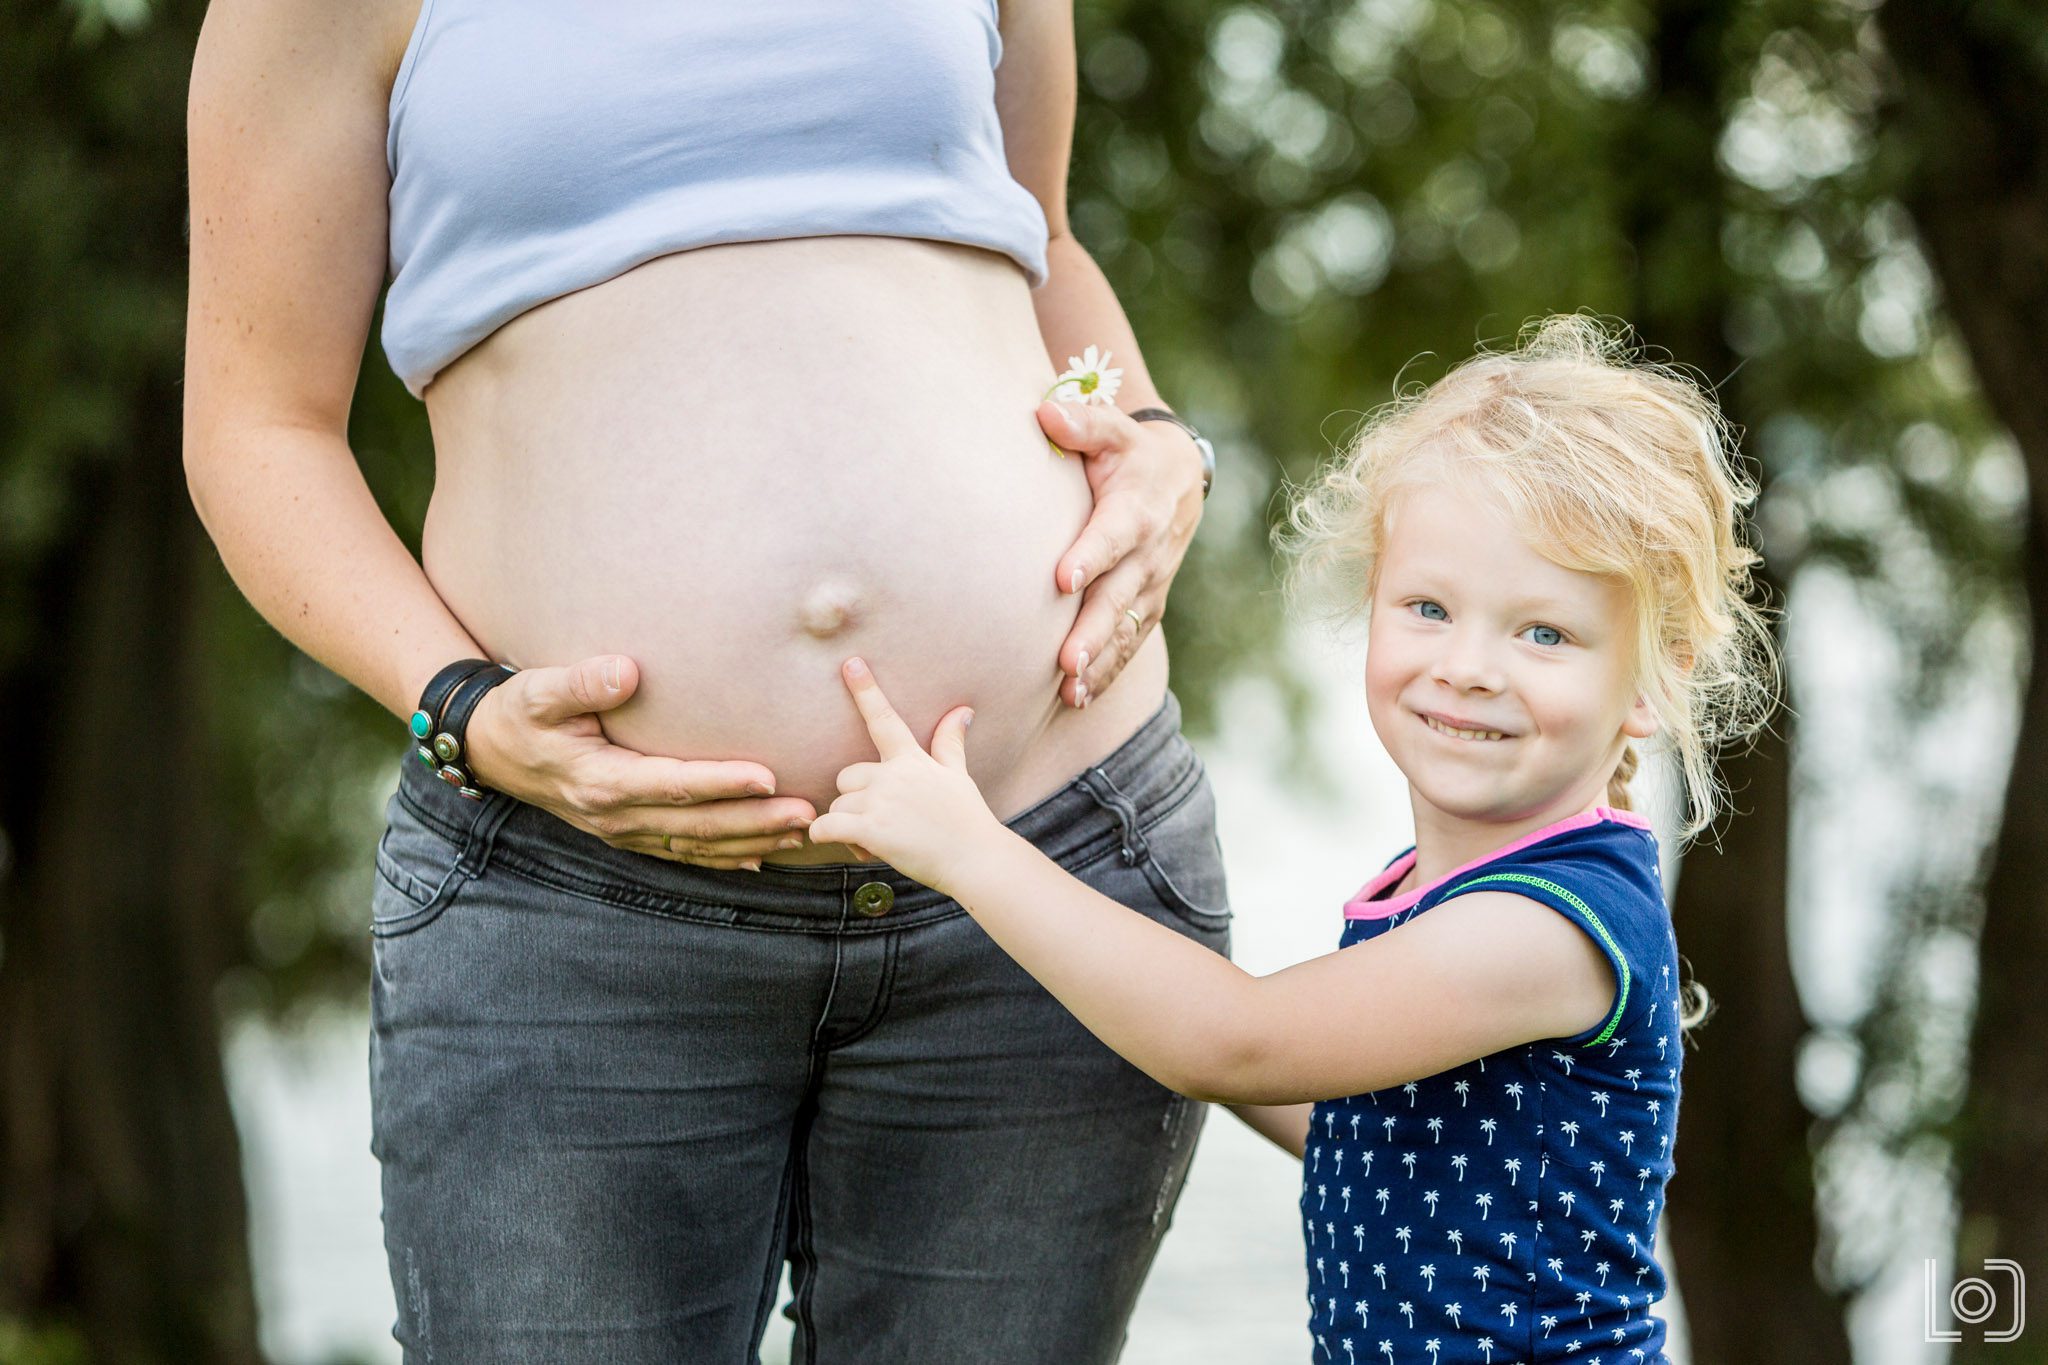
(1147,481)
(536,737)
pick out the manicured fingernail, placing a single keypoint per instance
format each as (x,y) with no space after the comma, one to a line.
(1081,667)
(799,822)
(611,674)
(968,724)
(752,864)
(1080,694)
(791,843)
(857,667)
(1080,577)
(760,789)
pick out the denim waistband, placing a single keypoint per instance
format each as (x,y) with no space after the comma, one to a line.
(1107,805)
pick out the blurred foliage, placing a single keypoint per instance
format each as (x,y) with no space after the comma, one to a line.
(22,1345)
(1303,205)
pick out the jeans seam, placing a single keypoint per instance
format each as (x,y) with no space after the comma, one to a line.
(879,1005)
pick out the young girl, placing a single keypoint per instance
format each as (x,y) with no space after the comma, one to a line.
(1547,549)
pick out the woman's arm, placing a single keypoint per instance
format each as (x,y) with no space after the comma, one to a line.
(1478,973)
(1147,476)
(286,120)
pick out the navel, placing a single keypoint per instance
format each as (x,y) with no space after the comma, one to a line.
(829,608)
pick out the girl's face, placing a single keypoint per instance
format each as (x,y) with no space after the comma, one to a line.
(1472,630)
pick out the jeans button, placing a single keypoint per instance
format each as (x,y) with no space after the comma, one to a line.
(874,898)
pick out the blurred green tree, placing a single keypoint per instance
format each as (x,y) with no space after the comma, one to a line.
(1302,204)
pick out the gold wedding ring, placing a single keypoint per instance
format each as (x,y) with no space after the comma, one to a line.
(1136,620)
(666,844)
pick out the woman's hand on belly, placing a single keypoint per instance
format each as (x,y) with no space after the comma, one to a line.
(536,737)
(1147,482)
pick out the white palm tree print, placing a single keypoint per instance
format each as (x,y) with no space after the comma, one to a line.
(1486,1344)
(1452,1311)
(1432,1346)
(1379,1272)
(1463,1089)
(1487,1126)
(1570,1128)
(1402,1235)
(1407,1310)
(1513,1166)
(1482,1273)
(1456,1239)
(1458,1164)
(1485,1202)
(1514,1089)
(1428,1274)
(1430,1197)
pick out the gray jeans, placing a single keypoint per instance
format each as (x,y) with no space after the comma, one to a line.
(612,1094)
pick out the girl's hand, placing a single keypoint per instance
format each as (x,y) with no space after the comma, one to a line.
(535,736)
(1147,480)
(919,812)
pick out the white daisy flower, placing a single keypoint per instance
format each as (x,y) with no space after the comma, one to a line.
(1088,379)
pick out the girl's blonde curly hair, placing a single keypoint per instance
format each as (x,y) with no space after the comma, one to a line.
(1612,466)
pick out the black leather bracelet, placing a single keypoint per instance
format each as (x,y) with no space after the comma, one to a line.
(1201,442)
(451,735)
(426,718)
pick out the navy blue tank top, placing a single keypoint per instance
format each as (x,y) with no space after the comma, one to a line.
(1504,1212)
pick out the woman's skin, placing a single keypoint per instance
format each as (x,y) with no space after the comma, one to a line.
(678,498)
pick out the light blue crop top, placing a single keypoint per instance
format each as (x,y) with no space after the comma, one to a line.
(539,148)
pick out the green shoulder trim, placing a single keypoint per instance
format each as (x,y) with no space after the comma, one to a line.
(1621,1001)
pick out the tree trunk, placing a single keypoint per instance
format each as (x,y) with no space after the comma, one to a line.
(121,1208)
(1973,112)
(124,1214)
(1743,1218)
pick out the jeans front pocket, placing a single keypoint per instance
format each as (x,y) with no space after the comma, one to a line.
(1183,860)
(419,870)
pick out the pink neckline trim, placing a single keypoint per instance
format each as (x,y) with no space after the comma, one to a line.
(1363,906)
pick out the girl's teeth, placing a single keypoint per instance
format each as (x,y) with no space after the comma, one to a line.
(1436,724)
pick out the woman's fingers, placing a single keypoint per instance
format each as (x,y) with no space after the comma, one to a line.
(1112,624)
(635,779)
(598,683)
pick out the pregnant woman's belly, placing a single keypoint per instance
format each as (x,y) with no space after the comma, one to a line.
(738,465)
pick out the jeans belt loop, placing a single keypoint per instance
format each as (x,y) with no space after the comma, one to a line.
(1097,784)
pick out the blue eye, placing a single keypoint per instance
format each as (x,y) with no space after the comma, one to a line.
(1427,607)
(1555,636)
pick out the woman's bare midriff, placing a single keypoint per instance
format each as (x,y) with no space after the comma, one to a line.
(741,464)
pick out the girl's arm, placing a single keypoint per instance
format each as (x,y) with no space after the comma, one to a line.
(1146,476)
(1479,973)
